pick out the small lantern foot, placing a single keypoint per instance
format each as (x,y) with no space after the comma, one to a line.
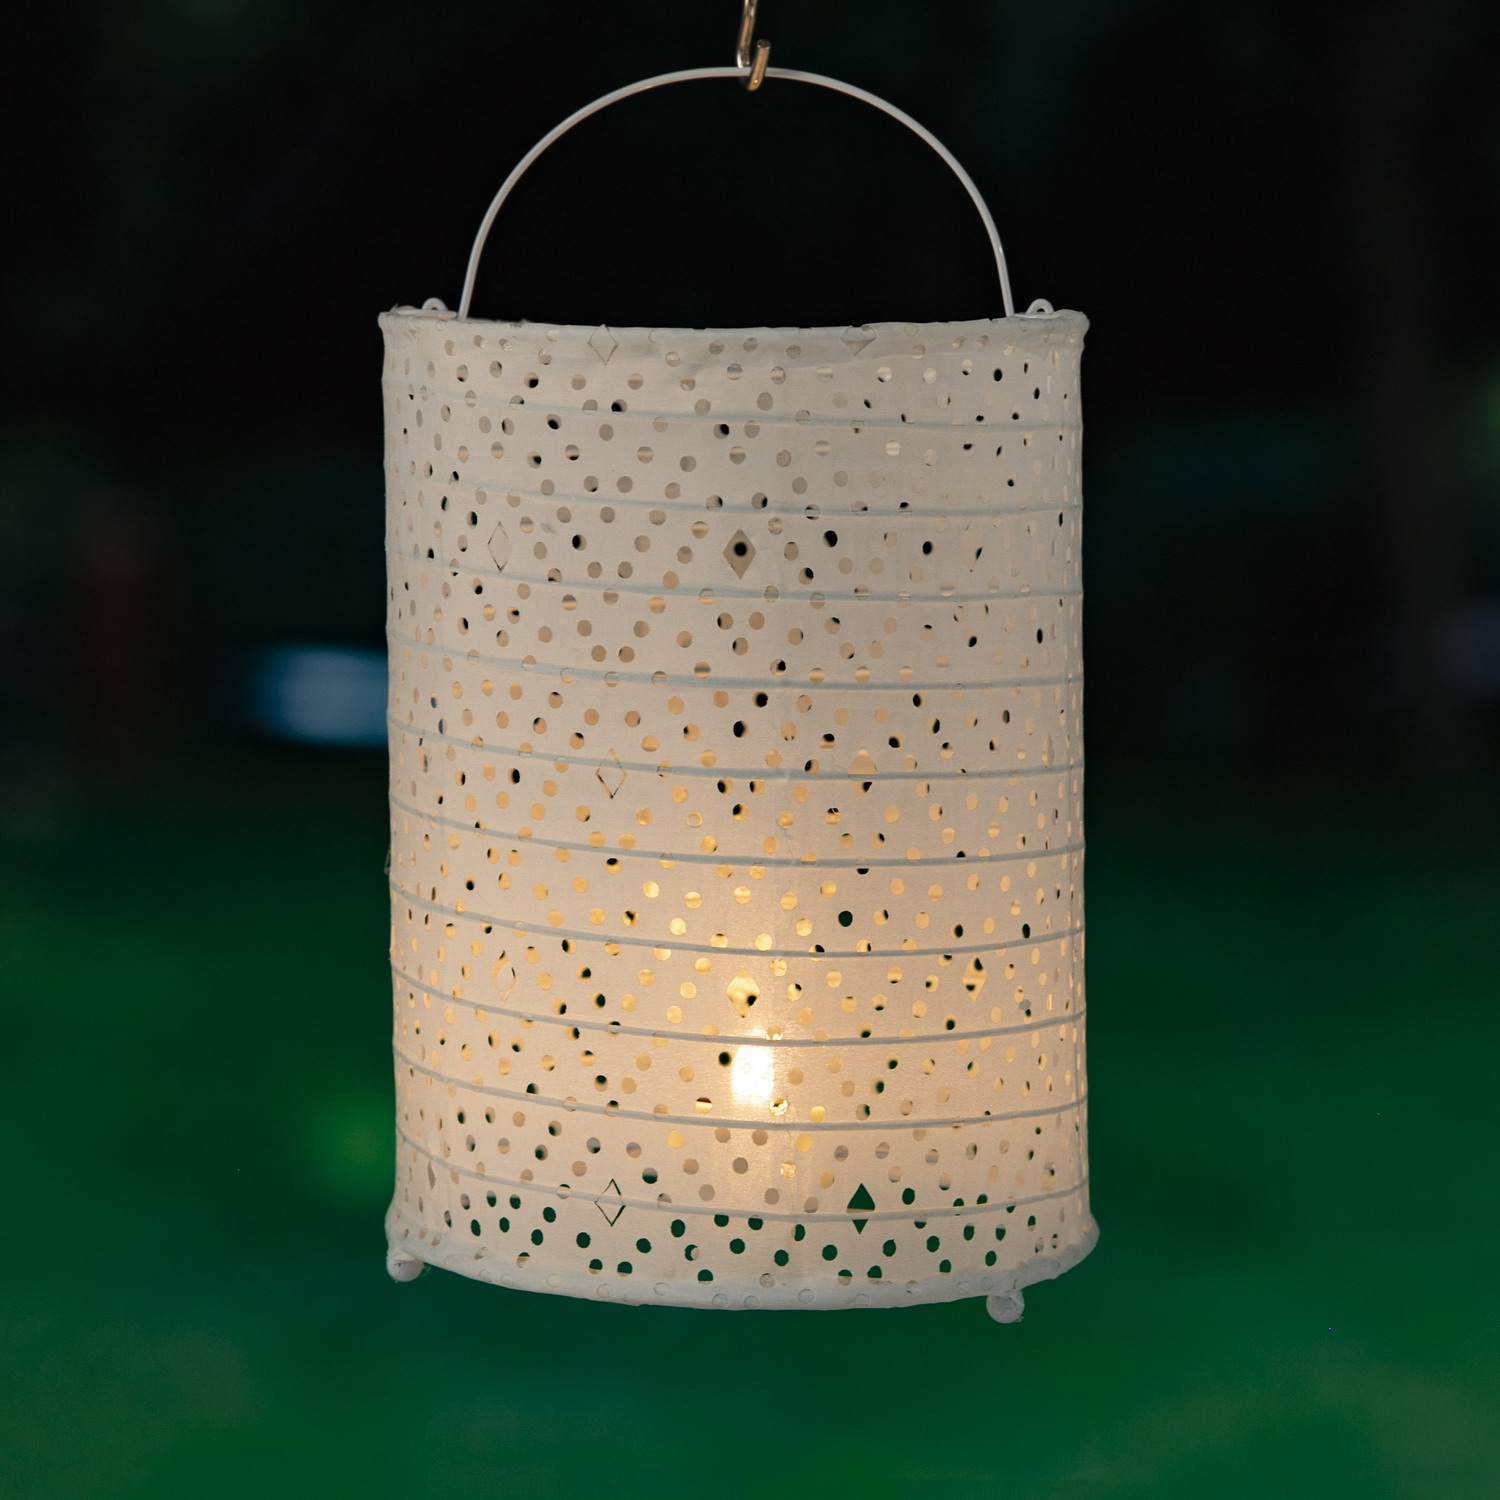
(404,1267)
(1005,1308)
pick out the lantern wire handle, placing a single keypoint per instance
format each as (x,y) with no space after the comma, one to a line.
(693,74)
(751,62)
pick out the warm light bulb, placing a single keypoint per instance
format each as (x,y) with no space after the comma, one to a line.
(752,1077)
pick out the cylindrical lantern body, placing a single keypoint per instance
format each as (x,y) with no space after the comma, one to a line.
(736,793)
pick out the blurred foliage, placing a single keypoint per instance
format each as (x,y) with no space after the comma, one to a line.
(1281,220)
(1292,1294)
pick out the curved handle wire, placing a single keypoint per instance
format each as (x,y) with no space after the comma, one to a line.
(696,73)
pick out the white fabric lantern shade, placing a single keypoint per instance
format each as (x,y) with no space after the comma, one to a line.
(736,789)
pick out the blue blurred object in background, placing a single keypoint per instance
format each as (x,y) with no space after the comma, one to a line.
(319,695)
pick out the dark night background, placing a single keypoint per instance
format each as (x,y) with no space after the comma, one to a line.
(1279,218)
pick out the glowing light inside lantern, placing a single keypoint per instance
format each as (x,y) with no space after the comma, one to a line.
(752,1077)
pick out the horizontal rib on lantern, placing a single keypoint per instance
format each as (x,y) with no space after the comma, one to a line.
(736,792)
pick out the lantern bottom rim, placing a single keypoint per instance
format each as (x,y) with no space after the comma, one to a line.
(412,1246)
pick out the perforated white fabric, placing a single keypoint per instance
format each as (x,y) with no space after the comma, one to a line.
(736,790)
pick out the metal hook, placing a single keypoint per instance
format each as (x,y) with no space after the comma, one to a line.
(753,62)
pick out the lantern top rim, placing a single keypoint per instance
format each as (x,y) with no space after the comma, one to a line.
(1062,325)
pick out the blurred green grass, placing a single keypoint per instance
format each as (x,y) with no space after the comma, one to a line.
(1293,1008)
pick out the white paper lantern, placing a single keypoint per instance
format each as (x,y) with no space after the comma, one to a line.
(736,791)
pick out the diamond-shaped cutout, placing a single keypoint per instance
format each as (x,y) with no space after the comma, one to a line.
(861,1202)
(974,977)
(743,992)
(864,770)
(500,546)
(740,553)
(619,1208)
(611,774)
(603,343)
